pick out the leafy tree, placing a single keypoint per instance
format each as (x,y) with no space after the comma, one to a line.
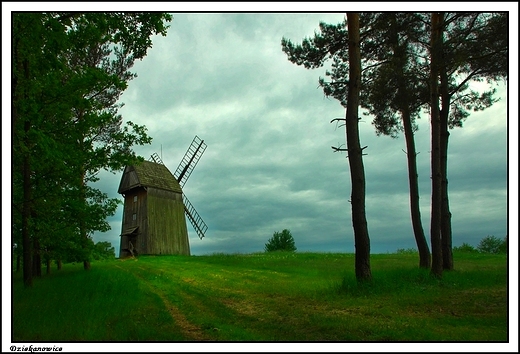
(341,43)
(355,152)
(395,87)
(69,70)
(392,81)
(397,80)
(492,244)
(103,250)
(465,247)
(281,241)
(473,48)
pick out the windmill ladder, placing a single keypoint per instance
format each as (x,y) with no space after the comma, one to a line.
(189,161)
(198,224)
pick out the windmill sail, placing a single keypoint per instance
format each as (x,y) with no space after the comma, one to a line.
(155,158)
(198,224)
(189,161)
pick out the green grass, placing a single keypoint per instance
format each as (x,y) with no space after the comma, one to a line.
(265,297)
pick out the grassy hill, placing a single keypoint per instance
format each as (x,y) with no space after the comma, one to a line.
(265,297)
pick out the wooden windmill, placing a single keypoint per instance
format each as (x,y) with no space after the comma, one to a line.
(155,207)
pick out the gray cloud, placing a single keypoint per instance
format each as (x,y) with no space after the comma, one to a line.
(269,165)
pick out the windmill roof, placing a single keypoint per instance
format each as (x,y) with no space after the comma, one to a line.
(148,174)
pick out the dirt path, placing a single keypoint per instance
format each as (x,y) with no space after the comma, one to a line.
(188,329)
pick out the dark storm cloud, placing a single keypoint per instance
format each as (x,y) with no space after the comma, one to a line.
(269,163)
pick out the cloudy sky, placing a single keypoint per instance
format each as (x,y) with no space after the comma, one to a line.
(269,165)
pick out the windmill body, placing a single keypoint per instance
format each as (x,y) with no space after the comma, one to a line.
(155,208)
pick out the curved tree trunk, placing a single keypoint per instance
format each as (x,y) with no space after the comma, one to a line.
(357,171)
(400,56)
(411,155)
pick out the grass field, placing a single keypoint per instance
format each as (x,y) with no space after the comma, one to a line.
(265,297)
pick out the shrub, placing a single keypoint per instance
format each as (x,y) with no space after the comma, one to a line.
(281,241)
(492,244)
(103,250)
(465,247)
(406,251)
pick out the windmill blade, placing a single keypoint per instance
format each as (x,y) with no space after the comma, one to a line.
(198,224)
(155,158)
(189,161)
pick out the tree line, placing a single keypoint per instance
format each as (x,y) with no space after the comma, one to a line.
(68,73)
(396,66)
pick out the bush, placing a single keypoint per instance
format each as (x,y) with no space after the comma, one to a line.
(406,251)
(103,250)
(281,241)
(465,248)
(492,244)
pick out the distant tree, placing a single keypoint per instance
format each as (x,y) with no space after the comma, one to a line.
(281,241)
(103,250)
(465,247)
(492,244)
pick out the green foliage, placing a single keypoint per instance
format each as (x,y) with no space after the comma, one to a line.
(406,251)
(395,60)
(465,247)
(68,73)
(492,244)
(281,241)
(103,251)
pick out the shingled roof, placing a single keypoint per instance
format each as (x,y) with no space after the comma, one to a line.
(148,174)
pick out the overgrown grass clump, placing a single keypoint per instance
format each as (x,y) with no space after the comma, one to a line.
(276,296)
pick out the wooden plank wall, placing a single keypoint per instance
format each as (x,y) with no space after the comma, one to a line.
(167,231)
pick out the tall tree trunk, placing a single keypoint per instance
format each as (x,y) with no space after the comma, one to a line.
(84,236)
(446,235)
(48,264)
(411,155)
(83,229)
(435,228)
(357,171)
(37,259)
(58,264)
(26,212)
(83,201)
(401,57)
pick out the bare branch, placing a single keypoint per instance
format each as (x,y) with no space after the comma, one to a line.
(337,149)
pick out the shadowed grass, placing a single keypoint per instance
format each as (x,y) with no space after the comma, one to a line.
(103,304)
(269,297)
